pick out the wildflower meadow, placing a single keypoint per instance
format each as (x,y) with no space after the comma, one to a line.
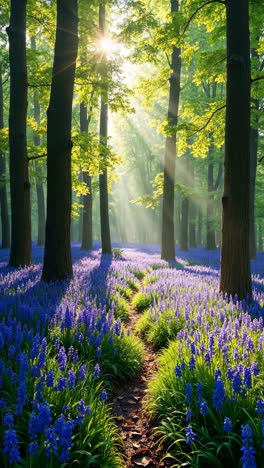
(65,346)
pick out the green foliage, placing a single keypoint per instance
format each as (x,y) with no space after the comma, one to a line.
(142,301)
(159,329)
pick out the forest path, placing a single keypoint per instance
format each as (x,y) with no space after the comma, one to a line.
(128,407)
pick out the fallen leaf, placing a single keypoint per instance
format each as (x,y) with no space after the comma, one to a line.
(131,402)
(150,358)
(142,461)
(128,422)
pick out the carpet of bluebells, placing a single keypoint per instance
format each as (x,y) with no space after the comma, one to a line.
(63,347)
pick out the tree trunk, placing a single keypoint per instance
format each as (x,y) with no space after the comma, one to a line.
(20,253)
(253,169)
(199,227)
(167,229)
(104,207)
(210,231)
(87,234)
(184,223)
(39,185)
(3,189)
(57,256)
(235,277)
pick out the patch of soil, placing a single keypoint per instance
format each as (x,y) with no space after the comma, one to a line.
(140,447)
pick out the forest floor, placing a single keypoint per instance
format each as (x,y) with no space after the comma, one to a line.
(128,404)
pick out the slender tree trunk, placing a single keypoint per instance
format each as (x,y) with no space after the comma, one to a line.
(210,231)
(235,277)
(39,185)
(199,227)
(104,206)
(260,238)
(3,189)
(184,223)
(192,230)
(20,253)
(57,257)
(167,229)
(87,235)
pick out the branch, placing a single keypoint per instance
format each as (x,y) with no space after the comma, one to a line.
(38,86)
(257,79)
(37,157)
(208,121)
(168,59)
(261,159)
(197,11)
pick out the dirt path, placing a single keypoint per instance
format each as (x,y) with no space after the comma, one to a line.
(128,408)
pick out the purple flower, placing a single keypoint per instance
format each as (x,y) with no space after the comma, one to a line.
(71,379)
(227,425)
(188,393)
(50,379)
(104,395)
(260,406)
(219,394)
(248,458)
(190,435)
(204,410)
(188,414)
(178,371)
(34,448)
(62,382)
(62,359)
(8,420)
(51,443)
(96,372)
(11,447)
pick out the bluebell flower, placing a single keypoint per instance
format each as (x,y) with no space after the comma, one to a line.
(62,383)
(50,379)
(11,447)
(8,420)
(104,395)
(82,373)
(178,371)
(190,435)
(248,458)
(219,394)
(188,414)
(62,359)
(71,379)
(199,392)
(96,372)
(51,442)
(75,358)
(204,410)
(260,406)
(228,425)
(33,448)
(192,363)
(247,377)
(188,393)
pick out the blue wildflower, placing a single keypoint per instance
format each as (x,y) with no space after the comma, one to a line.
(51,443)
(228,425)
(62,359)
(11,447)
(178,371)
(104,395)
(82,373)
(50,379)
(71,379)
(204,410)
(188,393)
(34,448)
(96,372)
(188,414)
(260,406)
(190,435)
(248,458)
(219,394)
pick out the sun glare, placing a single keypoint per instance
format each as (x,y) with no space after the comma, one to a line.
(107,45)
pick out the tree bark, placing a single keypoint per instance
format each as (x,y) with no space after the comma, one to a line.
(3,189)
(104,206)
(39,185)
(87,233)
(20,252)
(167,230)
(57,256)
(235,277)
(254,133)
(184,223)
(210,231)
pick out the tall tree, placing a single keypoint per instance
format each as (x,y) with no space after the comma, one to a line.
(20,253)
(3,190)
(39,185)
(87,226)
(104,207)
(167,229)
(235,277)
(57,256)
